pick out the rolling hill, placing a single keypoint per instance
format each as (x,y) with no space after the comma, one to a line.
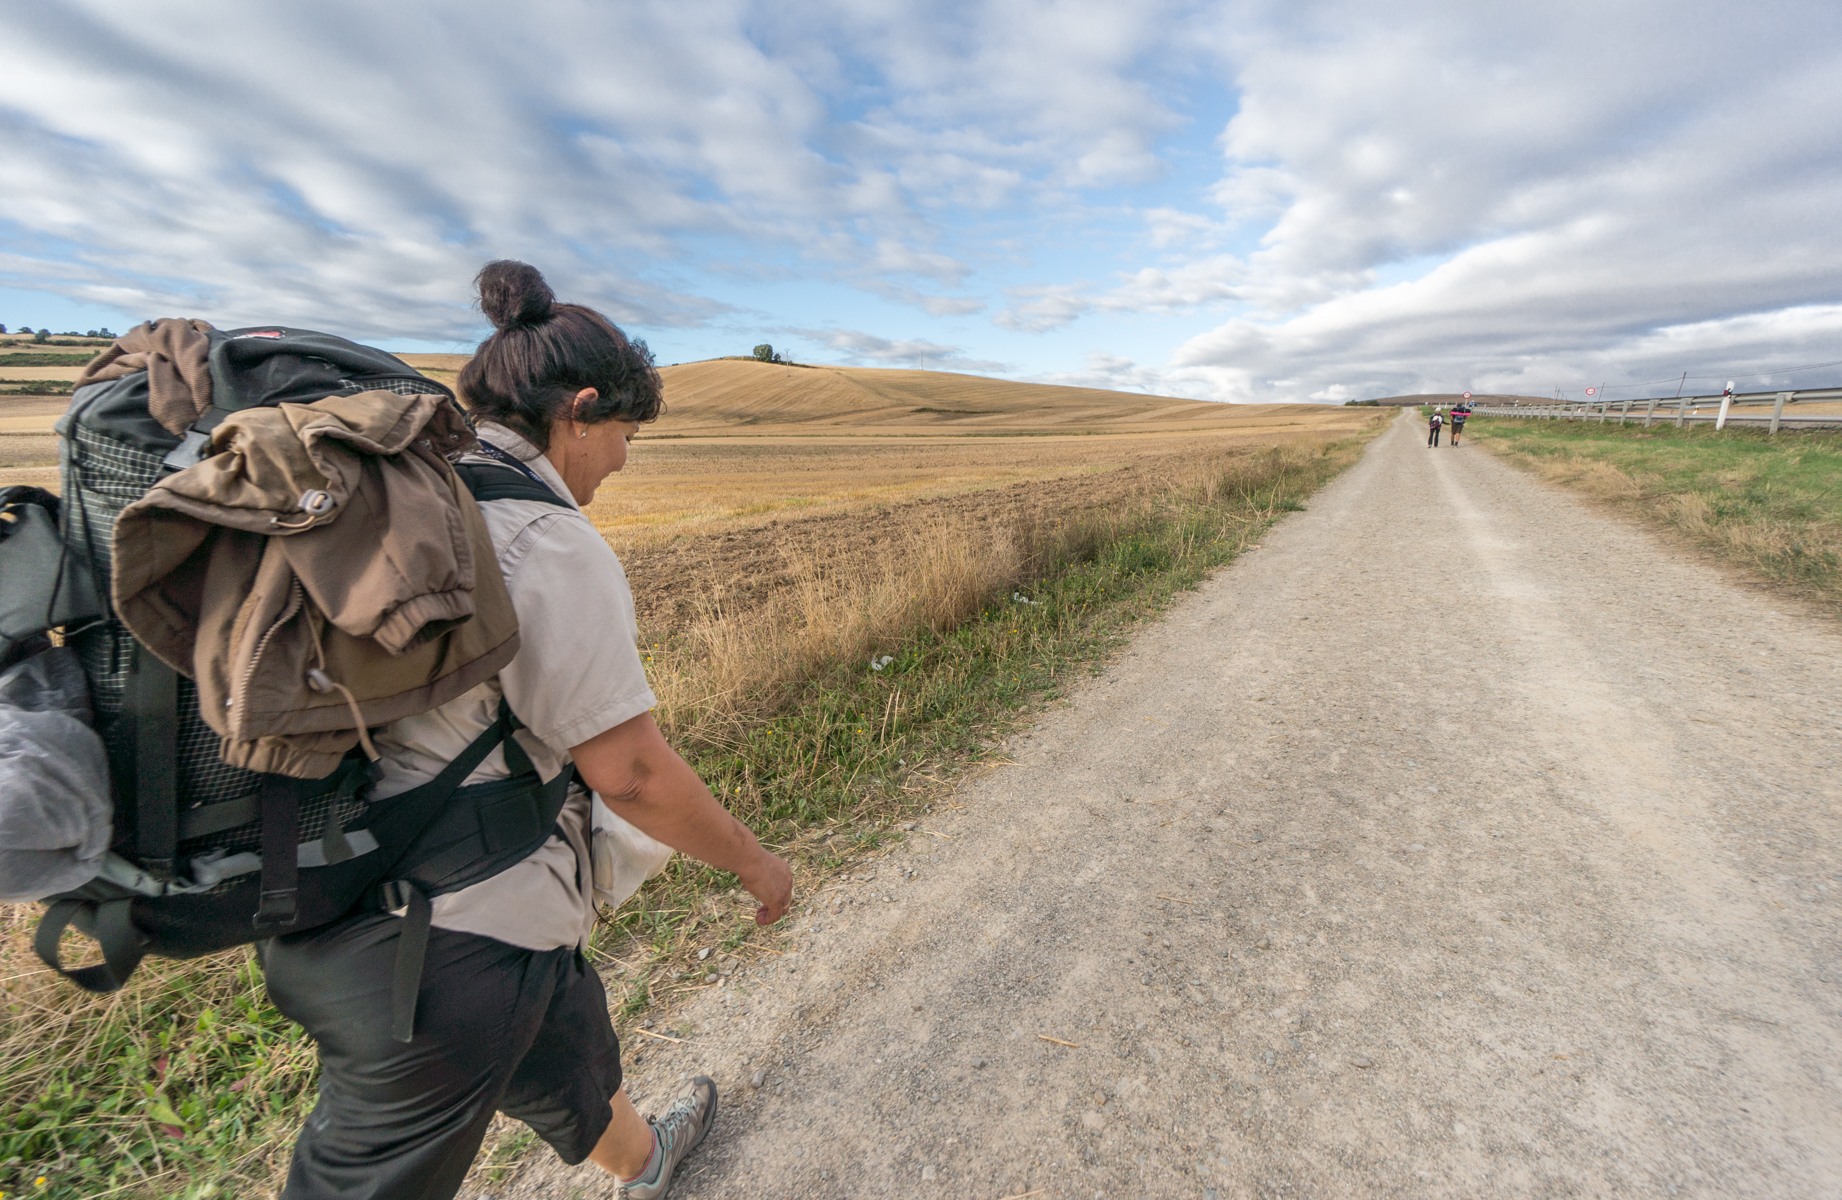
(733,395)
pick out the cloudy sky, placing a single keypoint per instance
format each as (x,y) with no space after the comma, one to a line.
(1235,201)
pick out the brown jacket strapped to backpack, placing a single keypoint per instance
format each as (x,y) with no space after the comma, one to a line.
(173,353)
(324,570)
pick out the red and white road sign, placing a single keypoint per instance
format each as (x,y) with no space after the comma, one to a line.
(1467,395)
(1592,391)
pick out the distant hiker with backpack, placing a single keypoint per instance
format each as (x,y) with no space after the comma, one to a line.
(1459,413)
(341,678)
(1433,424)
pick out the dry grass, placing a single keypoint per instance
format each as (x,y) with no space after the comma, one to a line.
(733,396)
(1770,505)
(676,486)
(184,1083)
(743,661)
(187,1083)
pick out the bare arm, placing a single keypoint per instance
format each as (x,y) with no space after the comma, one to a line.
(646,782)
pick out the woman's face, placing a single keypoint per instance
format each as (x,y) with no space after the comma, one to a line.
(584,455)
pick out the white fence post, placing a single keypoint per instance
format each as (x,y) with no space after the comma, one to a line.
(1649,411)
(1624,412)
(1681,412)
(1778,410)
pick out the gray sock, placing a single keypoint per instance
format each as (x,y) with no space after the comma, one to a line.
(654,1165)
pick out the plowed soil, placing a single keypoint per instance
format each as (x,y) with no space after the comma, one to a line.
(675,578)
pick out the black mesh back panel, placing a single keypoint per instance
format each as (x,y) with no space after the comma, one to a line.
(102,476)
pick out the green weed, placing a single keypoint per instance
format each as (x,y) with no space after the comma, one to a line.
(1771,504)
(187,1083)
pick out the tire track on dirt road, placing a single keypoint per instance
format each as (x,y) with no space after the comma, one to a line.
(1456,843)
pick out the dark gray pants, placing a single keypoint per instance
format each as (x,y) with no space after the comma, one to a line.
(498,1029)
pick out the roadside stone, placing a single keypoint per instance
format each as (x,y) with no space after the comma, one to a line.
(1362,1061)
(757,1079)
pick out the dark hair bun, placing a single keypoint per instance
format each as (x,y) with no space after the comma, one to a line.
(514,294)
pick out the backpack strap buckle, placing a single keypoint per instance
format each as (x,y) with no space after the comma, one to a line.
(275,911)
(394,894)
(281,816)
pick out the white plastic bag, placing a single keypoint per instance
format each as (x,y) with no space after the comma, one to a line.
(624,857)
(55,811)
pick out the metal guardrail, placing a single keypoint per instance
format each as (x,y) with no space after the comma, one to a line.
(1684,410)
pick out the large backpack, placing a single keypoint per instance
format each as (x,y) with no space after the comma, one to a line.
(203,855)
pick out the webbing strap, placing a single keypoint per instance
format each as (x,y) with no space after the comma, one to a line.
(412,949)
(281,824)
(150,705)
(412,811)
(107,921)
(207,819)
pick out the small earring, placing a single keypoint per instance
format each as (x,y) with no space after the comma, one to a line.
(581,433)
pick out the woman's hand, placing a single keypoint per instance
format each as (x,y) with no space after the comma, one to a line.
(651,787)
(771,882)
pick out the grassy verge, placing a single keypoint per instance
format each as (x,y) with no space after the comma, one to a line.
(1772,505)
(187,1084)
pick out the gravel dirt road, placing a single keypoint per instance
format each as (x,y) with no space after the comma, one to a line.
(1458,842)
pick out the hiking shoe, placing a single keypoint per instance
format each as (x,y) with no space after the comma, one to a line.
(676,1132)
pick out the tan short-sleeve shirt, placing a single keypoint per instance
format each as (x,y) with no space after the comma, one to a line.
(577,673)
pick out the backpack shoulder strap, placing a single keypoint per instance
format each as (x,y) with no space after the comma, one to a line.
(490,481)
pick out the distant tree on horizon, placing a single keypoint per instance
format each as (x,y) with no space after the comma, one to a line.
(765,353)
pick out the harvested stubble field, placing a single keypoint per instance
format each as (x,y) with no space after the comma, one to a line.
(982,570)
(723,524)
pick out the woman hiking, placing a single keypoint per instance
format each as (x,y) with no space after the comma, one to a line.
(510,1017)
(1433,425)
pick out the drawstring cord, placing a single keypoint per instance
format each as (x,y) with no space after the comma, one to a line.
(320,681)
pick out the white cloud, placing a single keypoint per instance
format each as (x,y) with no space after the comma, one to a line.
(1581,217)
(1039,309)
(1113,372)
(265,170)
(858,346)
(1423,194)
(1172,228)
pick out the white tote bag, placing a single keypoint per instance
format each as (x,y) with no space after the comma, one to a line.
(624,857)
